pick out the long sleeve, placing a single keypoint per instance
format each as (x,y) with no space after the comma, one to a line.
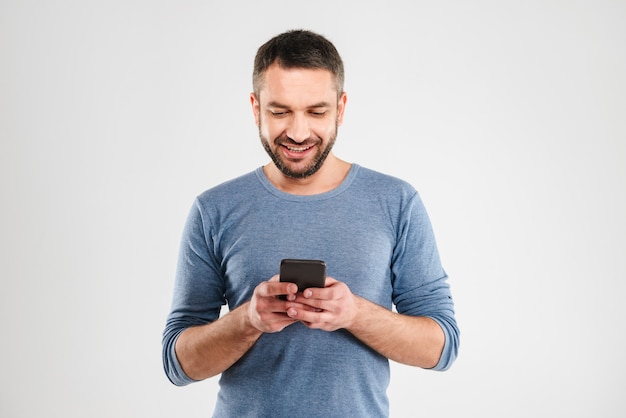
(198,291)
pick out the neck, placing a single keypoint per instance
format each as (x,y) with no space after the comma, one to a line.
(327,178)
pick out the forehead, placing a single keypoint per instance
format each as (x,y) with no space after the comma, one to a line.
(297,85)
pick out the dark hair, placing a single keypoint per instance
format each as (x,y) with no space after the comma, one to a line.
(298,49)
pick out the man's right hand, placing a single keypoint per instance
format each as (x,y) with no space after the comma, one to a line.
(266,311)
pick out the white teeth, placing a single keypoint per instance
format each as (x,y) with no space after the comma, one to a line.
(297,149)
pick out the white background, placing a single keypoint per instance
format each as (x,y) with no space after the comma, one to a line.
(509,118)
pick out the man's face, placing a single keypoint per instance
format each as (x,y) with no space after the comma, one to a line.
(298,113)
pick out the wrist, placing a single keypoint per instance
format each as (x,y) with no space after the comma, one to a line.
(368,316)
(246,327)
(358,314)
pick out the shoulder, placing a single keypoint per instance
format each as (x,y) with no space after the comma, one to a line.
(230,188)
(384,184)
(396,196)
(228,197)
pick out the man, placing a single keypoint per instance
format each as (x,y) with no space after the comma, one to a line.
(324,351)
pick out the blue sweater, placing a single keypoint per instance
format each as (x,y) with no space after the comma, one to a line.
(373,233)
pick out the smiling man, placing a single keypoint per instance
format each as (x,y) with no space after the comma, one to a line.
(323,351)
(298,112)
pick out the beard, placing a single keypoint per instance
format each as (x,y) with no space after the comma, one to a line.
(309,169)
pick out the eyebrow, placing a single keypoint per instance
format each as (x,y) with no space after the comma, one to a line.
(282,106)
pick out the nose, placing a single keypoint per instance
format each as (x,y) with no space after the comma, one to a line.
(298,129)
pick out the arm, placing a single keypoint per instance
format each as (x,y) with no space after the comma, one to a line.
(413,340)
(207,350)
(417,341)
(197,343)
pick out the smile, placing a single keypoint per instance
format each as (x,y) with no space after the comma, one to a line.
(297,149)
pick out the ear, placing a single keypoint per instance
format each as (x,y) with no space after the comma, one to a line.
(341,107)
(256,107)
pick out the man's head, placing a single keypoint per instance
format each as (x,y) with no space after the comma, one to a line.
(298,101)
(298,49)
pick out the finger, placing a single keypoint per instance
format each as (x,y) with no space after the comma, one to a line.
(318,293)
(313,317)
(330,281)
(281,288)
(321,292)
(275,288)
(298,305)
(312,302)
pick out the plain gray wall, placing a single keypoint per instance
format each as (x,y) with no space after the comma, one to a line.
(509,118)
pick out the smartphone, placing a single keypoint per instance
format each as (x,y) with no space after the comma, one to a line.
(304,273)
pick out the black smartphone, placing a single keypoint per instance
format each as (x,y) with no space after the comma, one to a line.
(304,273)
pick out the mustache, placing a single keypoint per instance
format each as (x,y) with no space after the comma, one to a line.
(285,140)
